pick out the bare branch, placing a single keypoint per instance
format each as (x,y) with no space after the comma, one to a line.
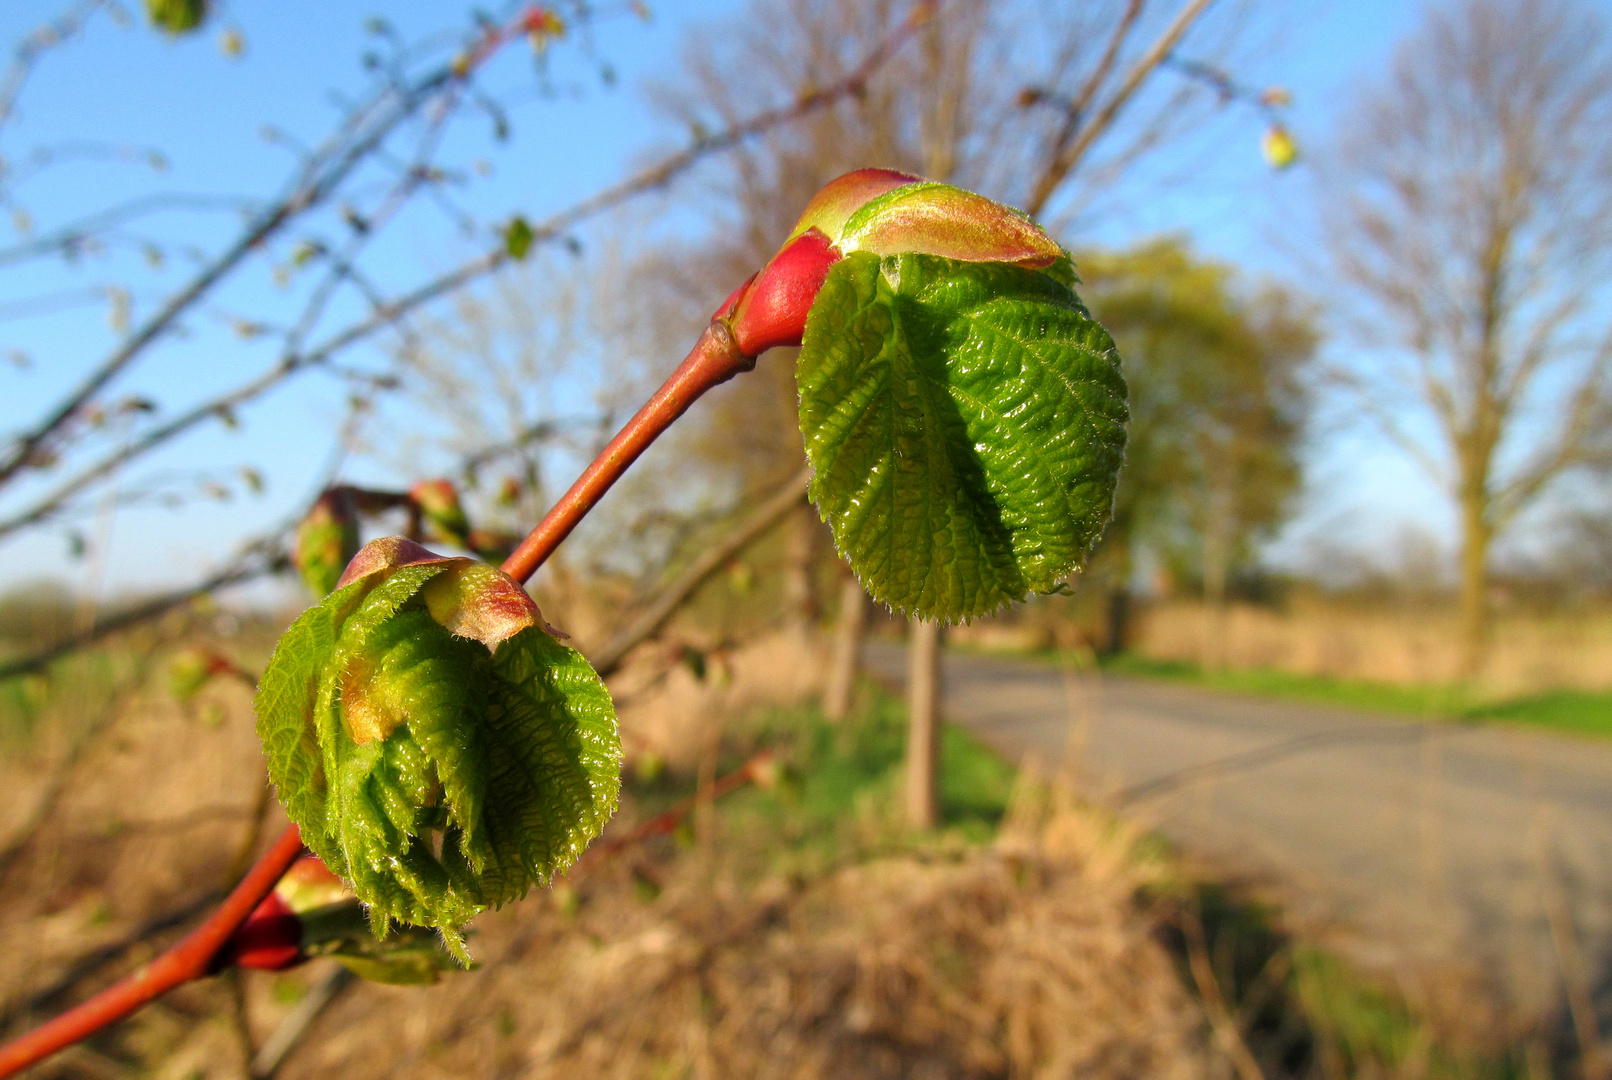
(260,563)
(33,45)
(1075,110)
(1585,416)
(362,134)
(665,605)
(1067,156)
(69,238)
(1389,424)
(385,315)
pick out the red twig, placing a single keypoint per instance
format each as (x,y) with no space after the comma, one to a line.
(191,959)
(669,820)
(714,359)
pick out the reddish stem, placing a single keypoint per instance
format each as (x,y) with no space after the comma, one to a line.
(669,820)
(191,959)
(714,359)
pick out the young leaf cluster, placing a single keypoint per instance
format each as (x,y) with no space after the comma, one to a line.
(440,775)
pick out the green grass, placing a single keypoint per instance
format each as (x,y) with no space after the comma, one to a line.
(1576,711)
(1361,1029)
(1421,701)
(845,786)
(839,764)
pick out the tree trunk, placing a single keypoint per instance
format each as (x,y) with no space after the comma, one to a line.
(1475,539)
(1216,557)
(800,549)
(923,734)
(1119,619)
(847,656)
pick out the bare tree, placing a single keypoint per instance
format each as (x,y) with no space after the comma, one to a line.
(1468,207)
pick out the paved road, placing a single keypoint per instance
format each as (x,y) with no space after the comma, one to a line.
(1421,848)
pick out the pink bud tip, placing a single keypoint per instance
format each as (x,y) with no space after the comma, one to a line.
(772,311)
(938,219)
(843,196)
(389,552)
(469,598)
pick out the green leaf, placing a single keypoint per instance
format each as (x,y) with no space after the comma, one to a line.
(286,696)
(176,16)
(439,776)
(518,238)
(965,426)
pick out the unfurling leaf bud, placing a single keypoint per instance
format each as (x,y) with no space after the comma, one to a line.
(438,503)
(176,16)
(843,196)
(885,213)
(313,913)
(326,540)
(438,748)
(273,938)
(269,940)
(937,219)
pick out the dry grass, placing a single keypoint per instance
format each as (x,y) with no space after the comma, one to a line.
(1030,958)
(818,940)
(1530,652)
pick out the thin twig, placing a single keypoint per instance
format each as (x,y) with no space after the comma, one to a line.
(190,959)
(33,45)
(64,238)
(320,178)
(299,1021)
(1066,157)
(294,362)
(665,605)
(665,823)
(714,359)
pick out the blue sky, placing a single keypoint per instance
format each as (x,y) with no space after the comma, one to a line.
(206,112)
